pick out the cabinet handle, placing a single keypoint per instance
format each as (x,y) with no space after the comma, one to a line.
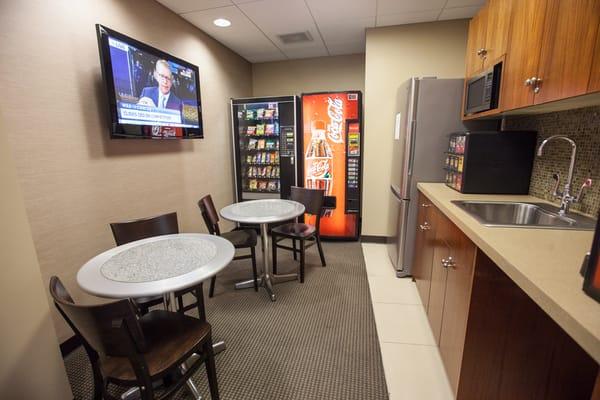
(536,84)
(448,262)
(425,205)
(482,52)
(528,81)
(425,226)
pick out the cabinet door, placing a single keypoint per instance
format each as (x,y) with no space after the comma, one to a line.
(441,252)
(424,246)
(456,303)
(476,42)
(594,84)
(570,33)
(496,32)
(523,54)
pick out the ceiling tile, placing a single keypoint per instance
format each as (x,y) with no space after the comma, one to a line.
(276,17)
(305,52)
(183,6)
(407,18)
(458,12)
(385,7)
(340,11)
(265,56)
(349,31)
(242,36)
(464,3)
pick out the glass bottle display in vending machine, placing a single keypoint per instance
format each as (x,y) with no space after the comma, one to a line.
(319,160)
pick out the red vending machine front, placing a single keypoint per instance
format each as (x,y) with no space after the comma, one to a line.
(332,152)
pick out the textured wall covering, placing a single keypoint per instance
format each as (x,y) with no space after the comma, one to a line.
(583,126)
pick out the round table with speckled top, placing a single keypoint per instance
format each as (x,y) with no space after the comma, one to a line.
(264,212)
(155,266)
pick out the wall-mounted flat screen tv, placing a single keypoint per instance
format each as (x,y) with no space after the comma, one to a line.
(151,94)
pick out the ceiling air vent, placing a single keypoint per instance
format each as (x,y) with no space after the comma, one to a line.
(298,37)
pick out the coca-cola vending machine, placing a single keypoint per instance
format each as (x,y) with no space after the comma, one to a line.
(332,150)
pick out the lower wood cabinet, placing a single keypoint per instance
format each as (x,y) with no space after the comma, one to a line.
(494,340)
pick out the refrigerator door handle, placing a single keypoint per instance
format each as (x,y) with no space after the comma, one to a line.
(411,159)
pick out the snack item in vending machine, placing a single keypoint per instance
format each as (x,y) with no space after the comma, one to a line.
(262,185)
(252,144)
(253,184)
(269,114)
(269,129)
(249,114)
(261,144)
(251,130)
(260,129)
(272,187)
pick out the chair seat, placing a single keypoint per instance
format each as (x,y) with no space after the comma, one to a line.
(169,337)
(294,230)
(241,238)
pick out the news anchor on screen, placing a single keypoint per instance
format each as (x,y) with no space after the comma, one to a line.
(160,96)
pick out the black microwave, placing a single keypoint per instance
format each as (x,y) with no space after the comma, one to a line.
(483,91)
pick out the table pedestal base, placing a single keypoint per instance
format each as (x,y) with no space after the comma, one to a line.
(266,279)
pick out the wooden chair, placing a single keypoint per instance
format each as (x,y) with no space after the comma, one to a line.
(127,351)
(240,238)
(312,199)
(129,231)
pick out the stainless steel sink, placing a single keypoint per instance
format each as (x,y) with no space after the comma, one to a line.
(525,215)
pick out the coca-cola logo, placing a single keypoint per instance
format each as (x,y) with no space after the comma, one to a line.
(335,111)
(318,168)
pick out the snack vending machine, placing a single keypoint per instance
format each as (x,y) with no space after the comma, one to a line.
(264,141)
(332,151)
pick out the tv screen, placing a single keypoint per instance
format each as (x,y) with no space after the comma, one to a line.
(151,94)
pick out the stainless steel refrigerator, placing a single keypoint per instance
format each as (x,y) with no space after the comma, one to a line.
(428,110)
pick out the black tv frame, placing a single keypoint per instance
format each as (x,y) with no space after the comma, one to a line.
(133,131)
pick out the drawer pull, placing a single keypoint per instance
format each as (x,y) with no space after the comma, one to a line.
(425,227)
(425,205)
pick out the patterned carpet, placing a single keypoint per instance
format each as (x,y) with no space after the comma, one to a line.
(317,341)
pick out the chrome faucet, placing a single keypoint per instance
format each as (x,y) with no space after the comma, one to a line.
(566,198)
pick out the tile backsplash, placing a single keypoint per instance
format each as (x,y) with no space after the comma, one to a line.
(583,126)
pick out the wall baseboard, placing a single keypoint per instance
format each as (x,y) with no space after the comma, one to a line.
(374,239)
(69,345)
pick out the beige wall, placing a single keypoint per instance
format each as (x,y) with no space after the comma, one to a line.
(30,366)
(393,55)
(74,179)
(309,75)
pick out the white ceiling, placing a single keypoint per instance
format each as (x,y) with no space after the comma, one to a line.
(336,26)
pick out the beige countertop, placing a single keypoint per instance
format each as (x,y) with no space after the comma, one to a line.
(543,262)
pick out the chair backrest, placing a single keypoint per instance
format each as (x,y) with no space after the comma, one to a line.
(209,214)
(129,231)
(109,329)
(312,199)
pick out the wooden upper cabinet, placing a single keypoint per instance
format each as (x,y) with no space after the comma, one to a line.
(523,54)
(594,84)
(498,15)
(569,41)
(476,42)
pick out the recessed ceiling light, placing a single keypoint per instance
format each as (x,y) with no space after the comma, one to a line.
(222,22)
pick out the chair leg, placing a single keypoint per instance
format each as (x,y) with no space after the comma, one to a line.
(274,246)
(180,304)
(254,273)
(320,250)
(211,370)
(302,261)
(211,290)
(294,247)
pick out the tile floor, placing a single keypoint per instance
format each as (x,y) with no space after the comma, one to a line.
(411,361)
